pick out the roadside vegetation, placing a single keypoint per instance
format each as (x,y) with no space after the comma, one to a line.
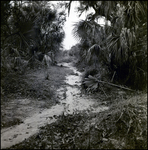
(118,50)
(123,126)
(29,31)
(112,58)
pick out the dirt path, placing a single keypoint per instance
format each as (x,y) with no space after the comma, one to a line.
(70,100)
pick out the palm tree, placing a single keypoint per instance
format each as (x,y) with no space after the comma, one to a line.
(31,26)
(124,41)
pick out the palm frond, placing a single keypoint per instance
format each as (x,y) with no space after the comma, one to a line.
(81,29)
(86,29)
(93,53)
(91,83)
(69,6)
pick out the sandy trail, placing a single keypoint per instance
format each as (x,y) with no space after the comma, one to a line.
(70,100)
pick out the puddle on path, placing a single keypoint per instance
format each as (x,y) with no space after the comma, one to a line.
(71,99)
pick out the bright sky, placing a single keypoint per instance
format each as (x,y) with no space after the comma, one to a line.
(69,40)
(73,17)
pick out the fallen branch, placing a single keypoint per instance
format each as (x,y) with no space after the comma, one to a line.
(115,85)
(119,86)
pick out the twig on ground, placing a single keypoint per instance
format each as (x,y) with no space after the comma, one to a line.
(120,116)
(104,92)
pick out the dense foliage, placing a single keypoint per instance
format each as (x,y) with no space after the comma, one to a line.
(120,46)
(28,27)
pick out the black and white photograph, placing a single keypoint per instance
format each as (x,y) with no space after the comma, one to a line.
(73,74)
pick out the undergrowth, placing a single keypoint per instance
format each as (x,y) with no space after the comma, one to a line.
(122,126)
(21,85)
